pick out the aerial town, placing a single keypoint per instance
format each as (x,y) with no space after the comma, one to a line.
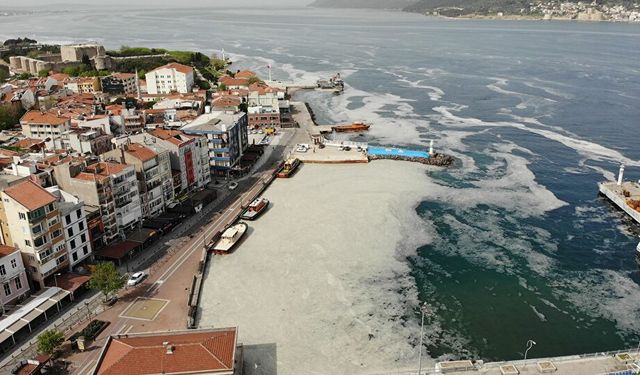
(102,167)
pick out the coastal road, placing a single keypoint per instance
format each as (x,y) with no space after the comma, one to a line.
(171,283)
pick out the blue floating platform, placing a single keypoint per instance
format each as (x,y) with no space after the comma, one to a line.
(384,151)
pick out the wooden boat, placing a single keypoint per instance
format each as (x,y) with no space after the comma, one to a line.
(288,168)
(357,126)
(228,240)
(255,209)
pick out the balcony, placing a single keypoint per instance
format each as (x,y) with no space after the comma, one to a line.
(36,215)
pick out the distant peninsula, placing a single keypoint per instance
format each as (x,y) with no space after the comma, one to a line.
(599,10)
(362,4)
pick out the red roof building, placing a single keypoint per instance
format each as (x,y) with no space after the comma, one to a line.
(204,351)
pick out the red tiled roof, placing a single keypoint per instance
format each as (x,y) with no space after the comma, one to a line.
(178,67)
(30,195)
(90,177)
(230,81)
(245,74)
(141,152)
(172,136)
(106,168)
(226,101)
(43,118)
(28,143)
(6,250)
(201,351)
(123,76)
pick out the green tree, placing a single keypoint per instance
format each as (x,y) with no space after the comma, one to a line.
(222,87)
(4,73)
(43,73)
(10,116)
(49,341)
(22,76)
(106,278)
(253,80)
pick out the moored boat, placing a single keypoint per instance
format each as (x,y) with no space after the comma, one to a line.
(229,239)
(354,127)
(288,168)
(255,209)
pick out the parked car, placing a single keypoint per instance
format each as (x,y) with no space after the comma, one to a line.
(136,278)
(233,185)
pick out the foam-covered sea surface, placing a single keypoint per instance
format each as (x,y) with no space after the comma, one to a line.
(536,113)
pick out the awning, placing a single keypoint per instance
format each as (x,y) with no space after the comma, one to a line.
(15,327)
(4,336)
(119,250)
(142,235)
(46,305)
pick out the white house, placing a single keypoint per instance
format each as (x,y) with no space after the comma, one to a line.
(169,78)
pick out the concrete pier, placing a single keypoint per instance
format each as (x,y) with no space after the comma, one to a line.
(616,194)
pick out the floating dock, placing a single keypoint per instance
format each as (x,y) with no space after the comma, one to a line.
(622,193)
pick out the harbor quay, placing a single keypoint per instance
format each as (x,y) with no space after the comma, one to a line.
(622,362)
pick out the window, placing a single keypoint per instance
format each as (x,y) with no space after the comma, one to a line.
(50,207)
(7,289)
(37,229)
(57,233)
(18,283)
(81,225)
(79,213)
(85,250)
(27,242)
(22,216)
(70,232)
(74,256)
(83,238)
(3,271)
(67,219)
(73,244)
(14,263)
(61,259)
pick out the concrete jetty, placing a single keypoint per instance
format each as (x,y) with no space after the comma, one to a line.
(623,193)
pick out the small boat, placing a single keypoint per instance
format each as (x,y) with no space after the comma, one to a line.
(288,168)
(354,127)
(229,238)
(255,209)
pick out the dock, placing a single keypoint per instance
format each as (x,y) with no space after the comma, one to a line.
(621,193)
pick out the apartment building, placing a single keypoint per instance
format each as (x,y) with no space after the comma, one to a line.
(119,84)
(74,226)
(188,155)
(83,85)
(45,125)
(13,276)
(169,78)
(108,187)
(31,222)
(227,139)
(153,172)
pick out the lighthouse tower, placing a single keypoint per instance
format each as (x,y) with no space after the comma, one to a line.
(431,147)
(620,174)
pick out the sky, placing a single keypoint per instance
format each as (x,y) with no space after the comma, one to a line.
(156,3)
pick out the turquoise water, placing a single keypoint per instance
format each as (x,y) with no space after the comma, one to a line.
(536,113)
(383,151)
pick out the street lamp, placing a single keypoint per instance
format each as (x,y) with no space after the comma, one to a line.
(530,345)
(424,310)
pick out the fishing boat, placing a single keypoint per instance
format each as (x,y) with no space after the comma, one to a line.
(288,168)
(357,126)
(228,240)
(255,209)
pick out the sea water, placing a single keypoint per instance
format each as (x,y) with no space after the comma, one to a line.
(536,114)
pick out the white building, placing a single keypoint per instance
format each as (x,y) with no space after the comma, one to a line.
(169,78)
(45,125)
(74,226)
(13,275)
